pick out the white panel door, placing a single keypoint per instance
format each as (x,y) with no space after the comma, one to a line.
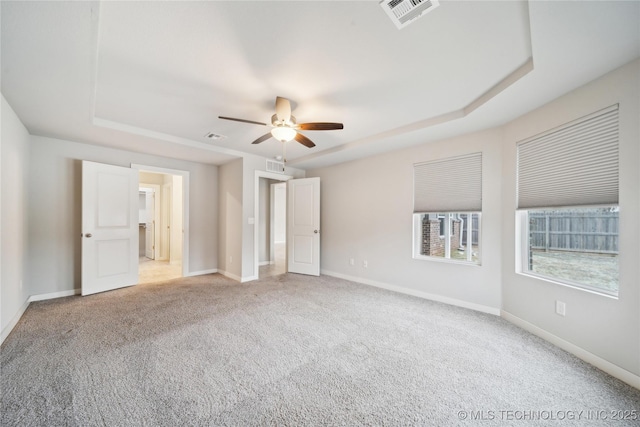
(109,227)
(150,228)
(303,226)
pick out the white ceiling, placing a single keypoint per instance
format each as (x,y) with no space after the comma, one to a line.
(152,77)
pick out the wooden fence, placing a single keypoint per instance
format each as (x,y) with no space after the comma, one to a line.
(589,230)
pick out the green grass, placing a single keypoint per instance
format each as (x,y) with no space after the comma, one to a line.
(596,270)
(460,255)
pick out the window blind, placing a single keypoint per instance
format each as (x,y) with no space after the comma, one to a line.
(574,165)
(448,185)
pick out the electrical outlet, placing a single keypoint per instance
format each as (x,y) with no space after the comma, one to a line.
(561,308)
(352,261)
(365,263)
(230,259)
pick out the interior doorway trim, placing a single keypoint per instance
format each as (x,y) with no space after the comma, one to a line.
(256,216)
(185,207)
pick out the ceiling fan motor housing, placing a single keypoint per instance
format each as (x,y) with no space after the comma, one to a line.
(275,122)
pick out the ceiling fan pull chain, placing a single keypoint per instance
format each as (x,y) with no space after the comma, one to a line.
(284,153)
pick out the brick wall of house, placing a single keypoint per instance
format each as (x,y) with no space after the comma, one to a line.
(432,243)
(455,238)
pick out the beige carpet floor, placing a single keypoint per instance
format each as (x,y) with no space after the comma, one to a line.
(289,350)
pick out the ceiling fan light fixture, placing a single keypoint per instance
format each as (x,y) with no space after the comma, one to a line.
(283,134)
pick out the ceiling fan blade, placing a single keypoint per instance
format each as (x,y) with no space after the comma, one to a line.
(283,109)
(242,120)
(262,138)
(304,140)
(320,126)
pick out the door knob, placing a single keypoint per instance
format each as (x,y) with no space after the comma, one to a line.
(88,235)
(315,231)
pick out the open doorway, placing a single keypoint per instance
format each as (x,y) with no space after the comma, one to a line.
(270,219)
(161,227)
(272,228)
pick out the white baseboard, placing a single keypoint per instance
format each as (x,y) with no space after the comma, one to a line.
(261,263)
(238,278)
(12,324)
(42,297)
(229,275)
(202,272)
(600,363)
(416,293)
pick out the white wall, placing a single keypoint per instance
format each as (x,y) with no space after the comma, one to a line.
(606,327)
(151,178)
(55,209)
(366,214)
(14,160)
(230,219)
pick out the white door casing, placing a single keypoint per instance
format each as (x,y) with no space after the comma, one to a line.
(109,227)
(303,226)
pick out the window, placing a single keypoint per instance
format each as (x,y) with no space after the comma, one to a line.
(576,246)
(458,241)
(568,202)
(447,206)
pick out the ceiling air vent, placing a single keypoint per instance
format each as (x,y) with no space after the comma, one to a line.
(403,12)
(275,166)
(214,136)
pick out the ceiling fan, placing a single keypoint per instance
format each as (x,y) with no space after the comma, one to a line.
(284,126)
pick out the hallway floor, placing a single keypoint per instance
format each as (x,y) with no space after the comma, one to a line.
(280,265)
(151,271)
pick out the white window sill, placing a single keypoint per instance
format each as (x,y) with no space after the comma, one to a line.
(446,260)
(576,286)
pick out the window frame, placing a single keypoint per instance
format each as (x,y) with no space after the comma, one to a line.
(522,256)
